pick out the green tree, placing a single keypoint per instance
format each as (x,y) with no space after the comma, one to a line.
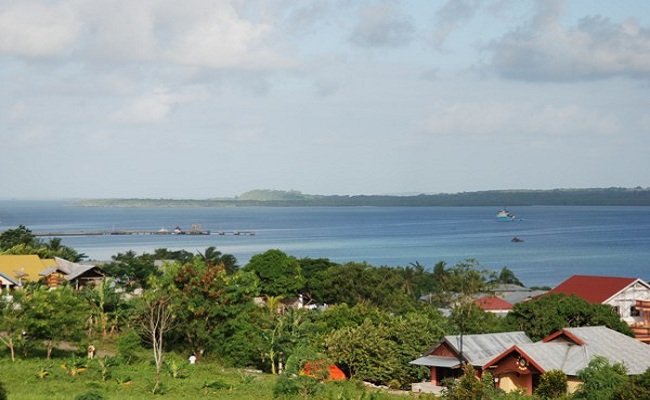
(601,380)
(211,256)
(355,283)
(470,387)
(132,270)
(507,276)
(468,318)
(552,385)
(547,314)
(637,389)
(314,272)
(206,297)
(365,352)
(17,236)
(463,282)
(12,324)
(379,351)
(279,273)
(54,316)
(21,241)
(104,304)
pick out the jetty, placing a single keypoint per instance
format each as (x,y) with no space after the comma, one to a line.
(196,230)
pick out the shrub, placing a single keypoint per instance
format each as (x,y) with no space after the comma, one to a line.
(3,392)
(552,384)
(216,385)
(128,347)
(90,395)
(288,386)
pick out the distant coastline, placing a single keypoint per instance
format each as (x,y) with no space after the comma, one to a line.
(498,198)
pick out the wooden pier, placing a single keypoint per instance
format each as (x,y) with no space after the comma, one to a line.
(135,233)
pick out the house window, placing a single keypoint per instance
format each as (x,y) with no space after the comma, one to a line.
(634,312)
(617,309)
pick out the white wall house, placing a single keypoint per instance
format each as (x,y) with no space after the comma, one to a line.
(624,302)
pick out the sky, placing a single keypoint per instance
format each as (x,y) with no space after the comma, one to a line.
(212,98)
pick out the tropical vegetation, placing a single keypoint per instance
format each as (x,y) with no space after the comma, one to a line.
(156,309)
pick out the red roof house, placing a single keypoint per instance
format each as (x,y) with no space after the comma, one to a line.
(493,304)
(630,297)
(594,289)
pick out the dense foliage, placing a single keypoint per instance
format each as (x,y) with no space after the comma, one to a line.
(547,314)
(370,321)
(22,241)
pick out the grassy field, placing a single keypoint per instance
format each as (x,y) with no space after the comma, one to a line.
(61,379)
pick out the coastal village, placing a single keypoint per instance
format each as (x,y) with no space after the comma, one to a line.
(295,200)
(514,361)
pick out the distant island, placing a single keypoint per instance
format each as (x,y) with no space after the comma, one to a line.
(499,198)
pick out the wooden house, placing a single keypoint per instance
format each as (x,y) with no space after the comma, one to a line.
(517,364)
(79,275)
(445,358)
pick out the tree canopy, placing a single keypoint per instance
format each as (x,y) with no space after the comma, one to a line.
(547,314)
(279,273)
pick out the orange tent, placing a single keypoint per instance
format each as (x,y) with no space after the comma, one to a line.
(313,369)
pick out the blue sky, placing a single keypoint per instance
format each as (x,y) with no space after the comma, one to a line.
(205,98)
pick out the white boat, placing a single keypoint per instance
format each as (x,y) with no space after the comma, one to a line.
(505,215)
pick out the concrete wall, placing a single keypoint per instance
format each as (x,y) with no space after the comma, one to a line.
(513,381)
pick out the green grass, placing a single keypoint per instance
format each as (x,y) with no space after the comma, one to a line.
(204,380)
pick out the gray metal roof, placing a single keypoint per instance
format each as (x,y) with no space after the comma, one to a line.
(599,341)
(518,297)
(70,269)
(615,346)
(79,271)
(479,349)
(436,361)
(510,287)
(568,358)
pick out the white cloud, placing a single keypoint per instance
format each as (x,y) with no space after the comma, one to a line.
(499,119)
(596,48)
(35,29)
(218,37)
(156,106)
(198,33)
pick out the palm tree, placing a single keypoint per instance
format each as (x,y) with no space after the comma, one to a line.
(213,257)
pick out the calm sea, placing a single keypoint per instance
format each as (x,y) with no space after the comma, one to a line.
(558,241)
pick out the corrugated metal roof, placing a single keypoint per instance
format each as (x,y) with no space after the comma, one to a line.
(518,297)
(436,361)
(599,341)
(615,346)
(80,270)
(479,349)
(563,356)
(509,287)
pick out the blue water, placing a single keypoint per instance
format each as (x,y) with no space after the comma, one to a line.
(559,241)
